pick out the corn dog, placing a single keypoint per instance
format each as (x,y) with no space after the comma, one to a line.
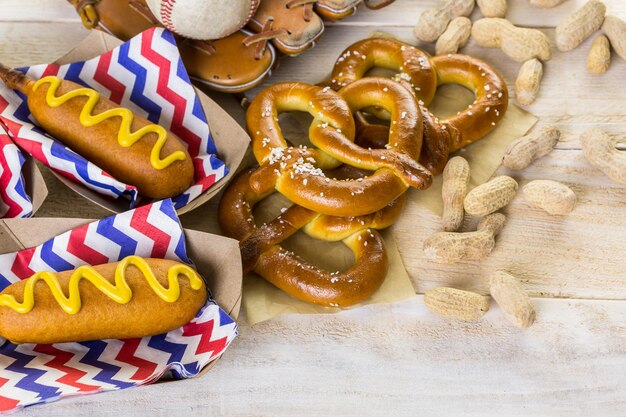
(129,147)
(135,297)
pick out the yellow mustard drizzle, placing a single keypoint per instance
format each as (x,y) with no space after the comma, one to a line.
(119,292)
(125,137)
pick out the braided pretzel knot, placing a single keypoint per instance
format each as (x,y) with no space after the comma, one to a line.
(395,167)
(260,245)
(262,253)
(422,75)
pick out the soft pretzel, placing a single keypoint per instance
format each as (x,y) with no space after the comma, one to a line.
(335,228)
(413,65)
(435,143)
(395,168)
(489,88)
(326,107)
(135,297)
(261,251)
(480,117)
(458,131)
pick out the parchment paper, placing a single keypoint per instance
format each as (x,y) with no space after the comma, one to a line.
(484,156)
(262,301)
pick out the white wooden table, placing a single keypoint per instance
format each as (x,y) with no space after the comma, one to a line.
(398,360)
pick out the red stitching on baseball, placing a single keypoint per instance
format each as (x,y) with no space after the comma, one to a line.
(166,13)
(167,6)
(253,6)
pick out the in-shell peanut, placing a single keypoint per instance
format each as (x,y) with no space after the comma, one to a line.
(455,36)
(456,177)
(601,151)
(546,4)
(520,44)
(538,143)
(581,24)
(615,30)
(512,299)
(551,196)
(433,22)
(528,81)
(492,8)
(451,247)
(456,304)
(491,196)
(599,56)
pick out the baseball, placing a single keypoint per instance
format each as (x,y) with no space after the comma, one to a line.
(203,19)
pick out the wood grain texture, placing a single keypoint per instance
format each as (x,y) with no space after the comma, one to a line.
(400,360)
(38,11)
(28,43)
(401,13)
(579,255)
(520,12)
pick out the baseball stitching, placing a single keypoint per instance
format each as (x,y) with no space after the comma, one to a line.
(168,5)
(254,4)
(166,13)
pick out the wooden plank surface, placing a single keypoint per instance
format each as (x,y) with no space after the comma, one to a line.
(402,13)
(401,359)
(28,43)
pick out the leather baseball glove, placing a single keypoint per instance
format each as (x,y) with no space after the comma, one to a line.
(241,60)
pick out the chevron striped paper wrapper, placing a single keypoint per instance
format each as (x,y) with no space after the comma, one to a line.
(145,74)
(14,202)
(32,374)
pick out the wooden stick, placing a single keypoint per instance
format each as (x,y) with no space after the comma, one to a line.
(14,79)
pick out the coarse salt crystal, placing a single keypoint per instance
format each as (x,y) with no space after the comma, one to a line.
(276,154)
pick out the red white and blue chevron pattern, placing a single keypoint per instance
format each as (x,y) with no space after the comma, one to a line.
(32,374)
(14,202)
(145,74)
